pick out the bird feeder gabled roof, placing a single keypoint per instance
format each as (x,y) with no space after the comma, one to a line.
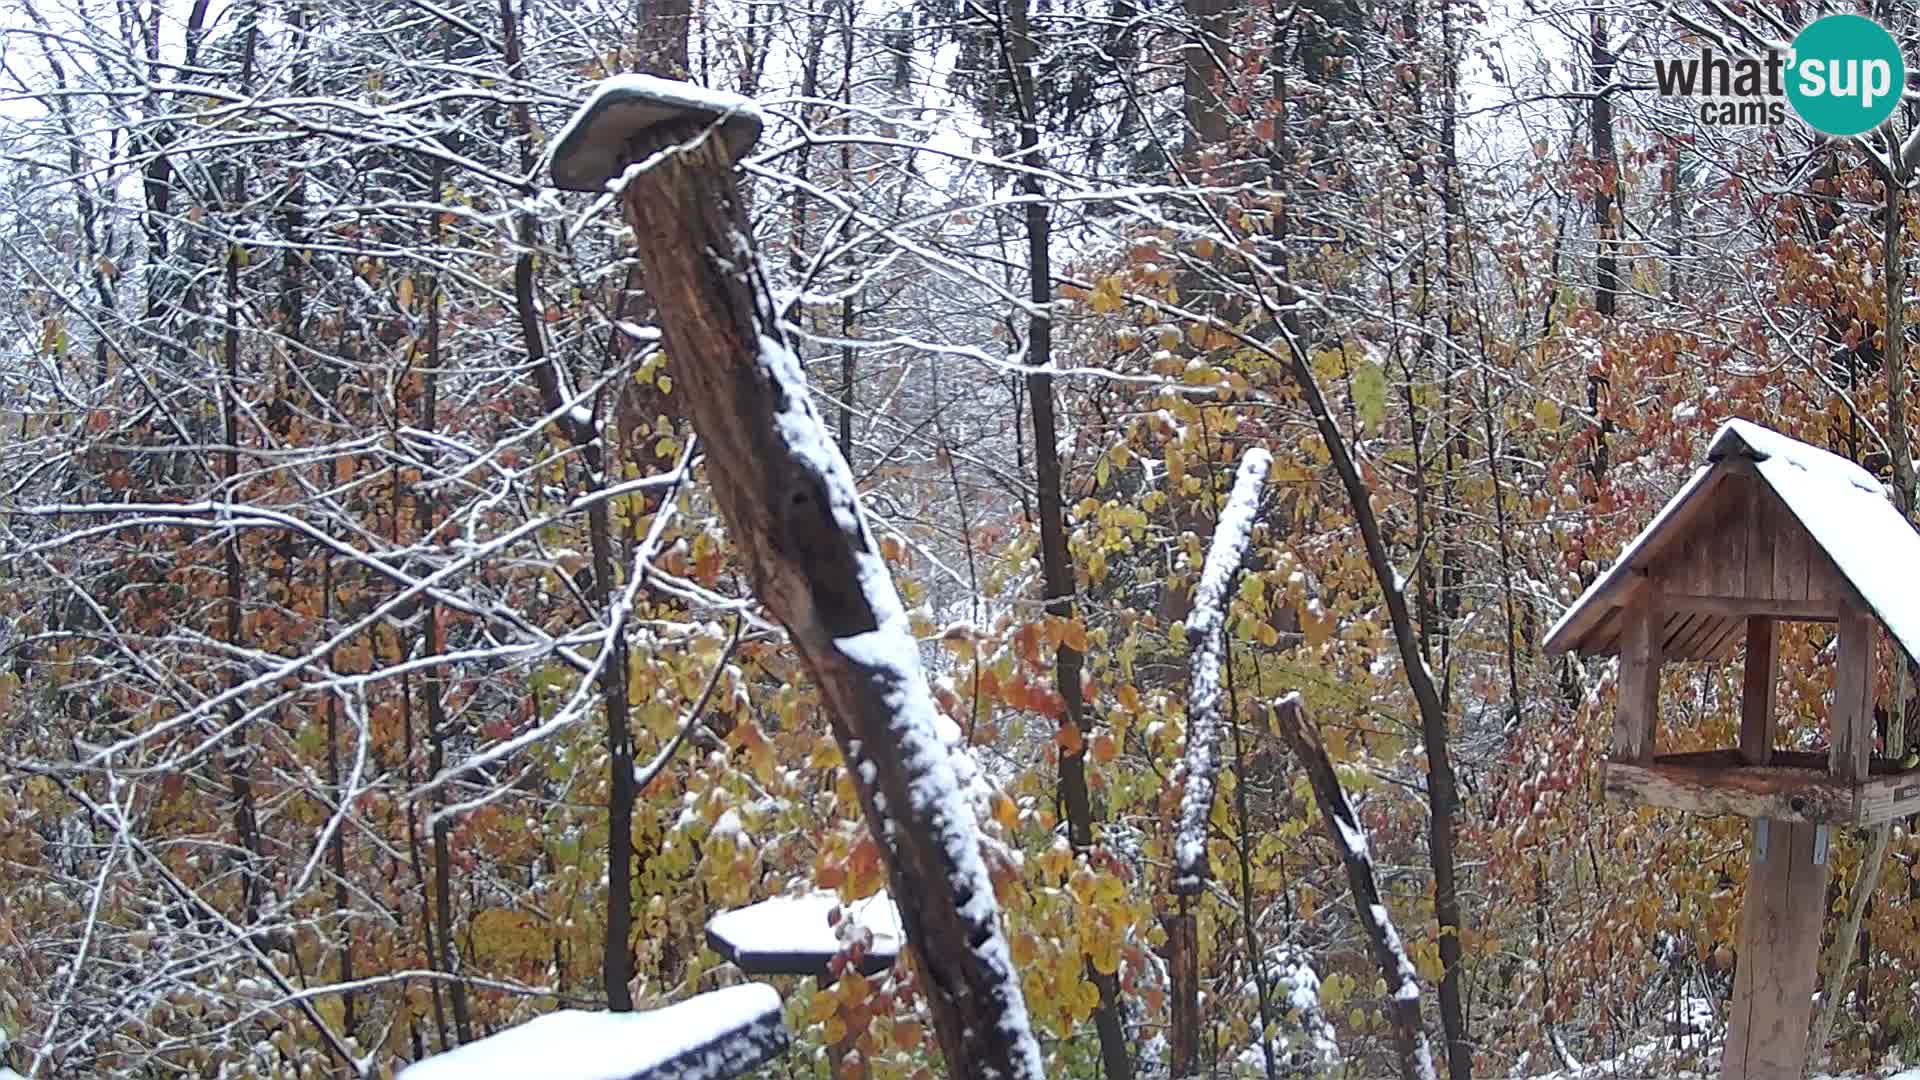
(1768,526)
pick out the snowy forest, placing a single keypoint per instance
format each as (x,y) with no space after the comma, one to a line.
(1229,395)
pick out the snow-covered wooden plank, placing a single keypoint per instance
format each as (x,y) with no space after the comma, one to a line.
(1206,624)
(713,1036)
(796,935)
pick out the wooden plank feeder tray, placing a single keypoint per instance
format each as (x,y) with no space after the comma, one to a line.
(1769,530)
(718,1035)
(798,935)
(1792,786)
(815,935)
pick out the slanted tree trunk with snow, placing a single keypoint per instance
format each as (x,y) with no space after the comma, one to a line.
(1206,636)
(1206,625)
(791,507)
(1383,941)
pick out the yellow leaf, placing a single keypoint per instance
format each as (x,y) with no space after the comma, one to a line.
(1081,885)
(1546,414)
(1105,955)
(1005,812)
(1097,567)
(405,292)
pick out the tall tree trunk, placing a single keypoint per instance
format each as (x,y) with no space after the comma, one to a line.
(1057,573)
(1606,260)
(238,757)
(616,953)
(1442,788)
(848,366)
(1893,273)
(1201,92)
(661,31)
(433,685)
(790,506)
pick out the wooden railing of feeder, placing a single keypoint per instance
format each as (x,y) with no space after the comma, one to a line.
(1768,531)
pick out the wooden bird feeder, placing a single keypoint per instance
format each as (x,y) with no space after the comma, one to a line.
(1768,530)
(718,1035)
(796,935)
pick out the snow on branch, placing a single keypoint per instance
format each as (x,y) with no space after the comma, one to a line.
(1206,637)
(1343,825)
(712,1036)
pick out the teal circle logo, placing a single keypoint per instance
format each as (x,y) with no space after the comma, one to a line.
(1845,75)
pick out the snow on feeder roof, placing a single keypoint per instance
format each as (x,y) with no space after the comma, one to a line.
(1817,532)
(712,1036)
(593,148)
(793,935)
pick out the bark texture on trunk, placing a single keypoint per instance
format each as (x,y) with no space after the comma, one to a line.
(1383,941)
(788,500)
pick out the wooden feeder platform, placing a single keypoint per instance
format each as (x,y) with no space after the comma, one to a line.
(1792,786)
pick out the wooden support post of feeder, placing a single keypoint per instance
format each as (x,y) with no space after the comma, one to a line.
(792,512)
(1637,715)
(1769,530)
(1756,690)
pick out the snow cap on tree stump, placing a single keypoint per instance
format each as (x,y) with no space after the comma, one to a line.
(595,146)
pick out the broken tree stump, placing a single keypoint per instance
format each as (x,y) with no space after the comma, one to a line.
(791,507)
